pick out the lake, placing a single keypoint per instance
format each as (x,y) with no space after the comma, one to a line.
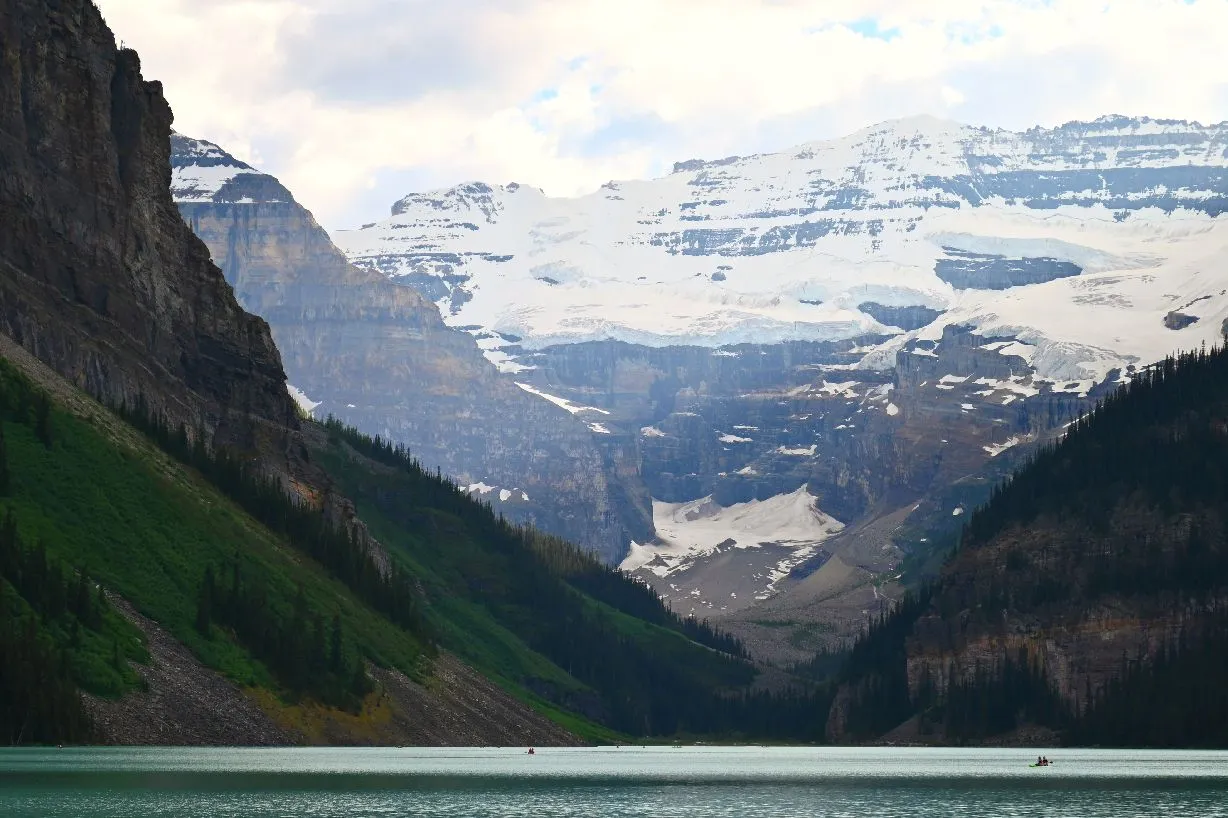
(740,782)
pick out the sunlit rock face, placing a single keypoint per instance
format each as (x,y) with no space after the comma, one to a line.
(377,355)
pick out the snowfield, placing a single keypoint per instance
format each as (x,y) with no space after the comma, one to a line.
(202,169)
(770,536)
(1100,230)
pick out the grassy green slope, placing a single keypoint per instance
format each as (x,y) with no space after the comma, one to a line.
(536,614)
(147,527)
(582,644)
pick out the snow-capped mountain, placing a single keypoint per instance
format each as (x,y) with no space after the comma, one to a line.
(378,356)
(203,172)
(885,320)
(826,241)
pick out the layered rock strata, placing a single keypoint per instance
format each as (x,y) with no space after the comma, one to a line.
(99,277)
(377,355)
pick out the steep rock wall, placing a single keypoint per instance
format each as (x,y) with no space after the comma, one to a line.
(377,355)
(99,277)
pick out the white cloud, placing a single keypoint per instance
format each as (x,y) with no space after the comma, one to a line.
(951,96)
(352,103)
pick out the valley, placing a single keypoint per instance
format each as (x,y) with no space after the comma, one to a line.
(882,318)
(914,435)
(180,541)
(948,300)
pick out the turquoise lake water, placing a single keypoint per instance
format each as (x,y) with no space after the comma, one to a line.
(739,782)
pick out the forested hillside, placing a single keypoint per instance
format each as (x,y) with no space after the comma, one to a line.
(163,505)
(272,594)
(90,510)
(511,599)
(1087,596)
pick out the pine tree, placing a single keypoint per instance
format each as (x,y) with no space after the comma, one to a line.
(358,682)
(5,479)
(42,419)
(334,661)
(204,602)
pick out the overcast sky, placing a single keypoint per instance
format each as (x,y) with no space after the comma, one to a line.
(353,103)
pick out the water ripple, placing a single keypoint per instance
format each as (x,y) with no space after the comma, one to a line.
(741,782)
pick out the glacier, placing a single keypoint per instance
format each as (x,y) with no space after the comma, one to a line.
(1078,240)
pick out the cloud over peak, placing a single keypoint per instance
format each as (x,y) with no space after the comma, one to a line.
(354,102)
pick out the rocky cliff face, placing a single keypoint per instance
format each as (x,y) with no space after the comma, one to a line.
(1104,552)
(887,319)
(377,355)
(747,423)
(99,277)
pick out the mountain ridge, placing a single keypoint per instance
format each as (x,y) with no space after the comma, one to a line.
(93,240)
(882,317)
(377,355)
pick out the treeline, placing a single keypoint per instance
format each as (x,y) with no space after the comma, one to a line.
(795,714)
(307,529)
(44,583)
(647,689)
(647,674)
(1160,435)
(1178,699)
(38,683)
(562,559)
(586,573)
(876,671)
(1132,503)
(1013,692)
(39,703)
(307,656)
(56,631)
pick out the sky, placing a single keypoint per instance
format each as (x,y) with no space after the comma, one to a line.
(354,103)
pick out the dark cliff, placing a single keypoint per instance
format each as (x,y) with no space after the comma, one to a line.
(896,454)
(377,355)
(1099,568)
(99,276)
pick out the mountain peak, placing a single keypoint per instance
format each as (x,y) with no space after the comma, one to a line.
(203,172)
(464,198)
(775,246)
(916,123)
(186,150)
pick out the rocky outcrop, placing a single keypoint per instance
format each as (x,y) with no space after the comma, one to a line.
(984,271)
(754,421)
(182,703)
(926,438)
(1178,320)
(99,277)
(377,355)
(913,316)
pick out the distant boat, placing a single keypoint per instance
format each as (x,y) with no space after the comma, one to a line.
(532,751)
